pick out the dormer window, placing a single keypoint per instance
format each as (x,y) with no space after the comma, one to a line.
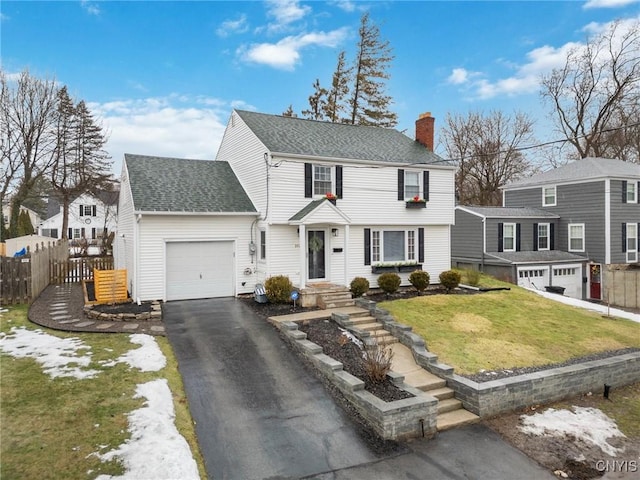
(549,196)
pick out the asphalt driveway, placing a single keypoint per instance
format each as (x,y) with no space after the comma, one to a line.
(260,415)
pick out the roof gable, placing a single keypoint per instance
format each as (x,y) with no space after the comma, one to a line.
(160,184)
(297,136)
(320,211)
(580,170)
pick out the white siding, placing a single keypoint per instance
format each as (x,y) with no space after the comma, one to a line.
(437,255)
(284,252)
(245,153)
(124,243)
(156,230)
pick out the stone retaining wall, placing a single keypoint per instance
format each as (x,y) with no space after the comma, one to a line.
(154,314)
(498,396)
(398,420)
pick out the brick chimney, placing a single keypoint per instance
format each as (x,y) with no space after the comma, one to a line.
(424,129)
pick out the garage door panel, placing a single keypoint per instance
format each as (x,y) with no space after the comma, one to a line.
(199,270)
(533,277)
(569,277)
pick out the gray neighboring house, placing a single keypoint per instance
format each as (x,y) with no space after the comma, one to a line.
(518,245)
(597,202)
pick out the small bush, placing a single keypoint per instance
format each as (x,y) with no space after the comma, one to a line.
(389,282)
(377,362)
(450,279)
(359,286)
(278,289)
(419,279)
(472,277)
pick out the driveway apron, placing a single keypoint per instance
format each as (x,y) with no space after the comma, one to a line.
(259,414)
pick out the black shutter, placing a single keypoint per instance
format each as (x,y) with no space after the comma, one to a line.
(70,234)
(425,181)
(624,191)
(367,246)
(93,233)
(517,237)
(339,181)
(400,184)
(421,245)
(638,192)
(93,210)
(82,233)
(308,180)
(535,237)
(500,236)
(552,236)
(81,210)
(624,237)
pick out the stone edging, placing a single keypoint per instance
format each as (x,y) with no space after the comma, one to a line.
(398,420)
(498,396)
(155,314)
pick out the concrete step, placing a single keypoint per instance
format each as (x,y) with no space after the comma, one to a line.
(361,320)
(386,340)
(456,418)
(424,381)
(361,313)
(370,327)
(379,333)
(448,405)
(325,303)
(441,393)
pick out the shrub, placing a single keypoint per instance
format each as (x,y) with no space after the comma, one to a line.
(419,279)
(389,282)
(278,289)
(359,286)
(473,277)
(450,279)
(377,362)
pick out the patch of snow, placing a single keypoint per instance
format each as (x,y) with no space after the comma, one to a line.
(58,356)
(615,312)
(147,358)
(156,449)
(588,424)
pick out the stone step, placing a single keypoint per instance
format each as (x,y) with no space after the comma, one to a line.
(456,418)
(370,327)
(425,381)
(386,340)
(448,405)
(360,314)
(442,393)
(361,320)
(379,333)
(335,304)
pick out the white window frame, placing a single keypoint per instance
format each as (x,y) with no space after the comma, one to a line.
(419,193)
(332,174)
(544,196)
(410,246)
(632,243)
(77,233)
(548,225)
(632,187)
(570,238)
(504,237)
(262,245)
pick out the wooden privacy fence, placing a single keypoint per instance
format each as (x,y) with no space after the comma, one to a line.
(74,270)
(110,286)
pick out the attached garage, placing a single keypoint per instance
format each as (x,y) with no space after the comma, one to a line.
(569,277)
(200,270)
(533,277)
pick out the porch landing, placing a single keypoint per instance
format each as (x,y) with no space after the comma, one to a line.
(325,295)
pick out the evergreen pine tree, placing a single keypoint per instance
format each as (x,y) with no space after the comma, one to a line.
(335,104)
(317,102)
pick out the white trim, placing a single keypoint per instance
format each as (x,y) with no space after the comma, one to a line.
(548,247)
(416,245)
(555,196)
(420,184)
(208,214)
(332,173)
(634,251)
(504,225)
(289,157)
(569,237)
(607,221)
(634,184)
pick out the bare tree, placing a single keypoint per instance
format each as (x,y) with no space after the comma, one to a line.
(335,104)
(595,94)
(486,150)
(28,139)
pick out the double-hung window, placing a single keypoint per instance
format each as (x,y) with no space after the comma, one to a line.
(631,242)
(88,210)
(393,246)
(322,180)
(549,196)
(509,237)
(630,192)
(543,236)
(576,237)
(411,185)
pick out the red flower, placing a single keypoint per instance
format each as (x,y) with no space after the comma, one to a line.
(416,198)
(330,196)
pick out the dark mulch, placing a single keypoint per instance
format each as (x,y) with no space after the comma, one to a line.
(129,307)
(328,335)
(410,292)
(267,310)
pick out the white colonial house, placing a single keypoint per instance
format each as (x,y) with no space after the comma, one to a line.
(319,202)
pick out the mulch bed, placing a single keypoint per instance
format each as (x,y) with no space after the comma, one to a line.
(129,307)
(329,336)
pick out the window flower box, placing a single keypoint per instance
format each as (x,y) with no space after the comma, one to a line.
(416,202)
(397,268)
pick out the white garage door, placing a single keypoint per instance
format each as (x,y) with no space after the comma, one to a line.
(199,270)
(533,277)
(569,277)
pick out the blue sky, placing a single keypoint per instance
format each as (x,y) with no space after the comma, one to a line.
(164,75)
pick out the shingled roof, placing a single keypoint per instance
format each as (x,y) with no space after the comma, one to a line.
(297,136)
(508,212)
(585,169)
(160,184)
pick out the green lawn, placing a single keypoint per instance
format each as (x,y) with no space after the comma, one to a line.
(514,328)
(51,426)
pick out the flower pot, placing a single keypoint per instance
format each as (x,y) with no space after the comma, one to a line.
(420,204)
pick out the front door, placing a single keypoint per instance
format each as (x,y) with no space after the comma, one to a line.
(316,254)
(595,281)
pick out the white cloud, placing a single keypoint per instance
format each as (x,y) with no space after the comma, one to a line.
(174,126)
(458,76)
(285,54)
(229,27)
(284,13)
(608,3)
(90,7)
(346,5)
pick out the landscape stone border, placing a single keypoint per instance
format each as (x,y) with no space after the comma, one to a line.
(154,314)
(398,420)
(487,399)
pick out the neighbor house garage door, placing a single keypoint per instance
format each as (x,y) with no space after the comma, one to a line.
(533,277)
(569,277)
(199,270)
